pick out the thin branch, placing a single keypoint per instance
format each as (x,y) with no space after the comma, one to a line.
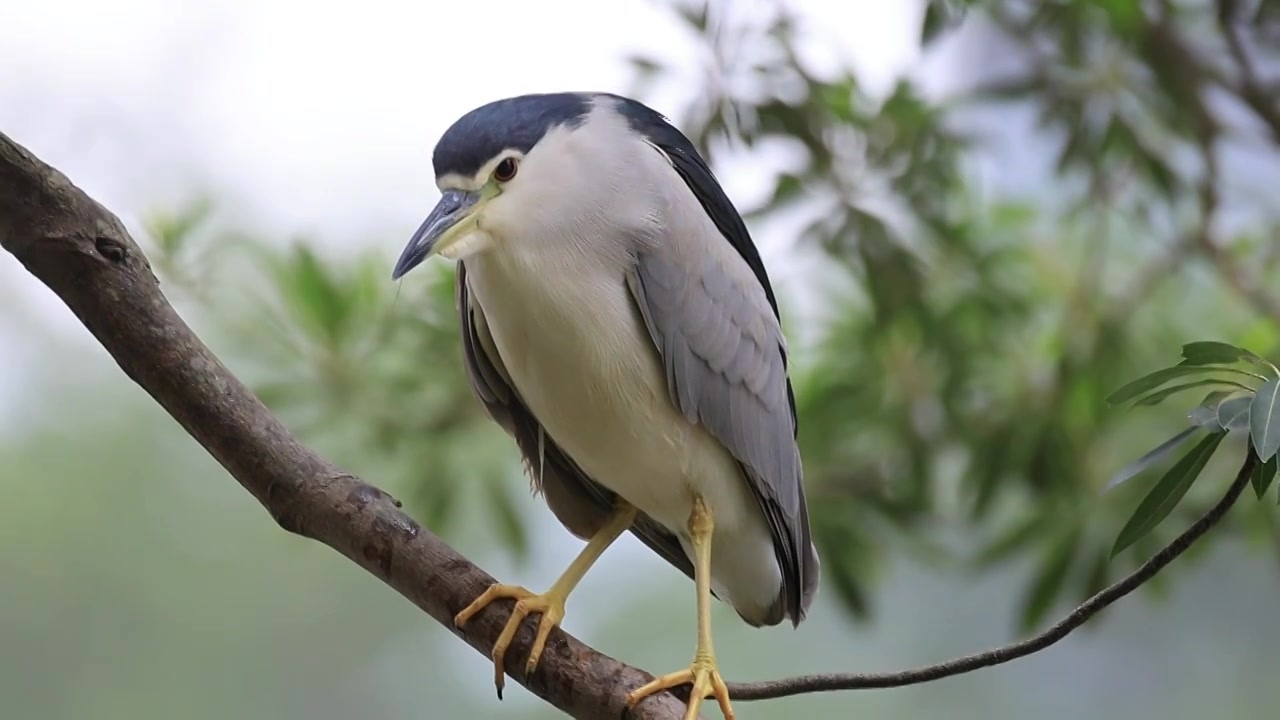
(83,254)
(828,682)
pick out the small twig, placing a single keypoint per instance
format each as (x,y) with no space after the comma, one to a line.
(827,682)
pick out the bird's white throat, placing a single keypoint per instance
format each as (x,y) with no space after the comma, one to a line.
(467,245)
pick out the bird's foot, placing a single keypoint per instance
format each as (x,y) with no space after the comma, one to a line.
(703,674)
(550,604)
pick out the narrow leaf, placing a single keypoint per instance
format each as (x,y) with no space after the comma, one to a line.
(1150,382)
(1263,474)
(1164,497)
(1233,414)
(1159,395)
(1215,353)
(1220,353)
(1152,456)
(1264,420)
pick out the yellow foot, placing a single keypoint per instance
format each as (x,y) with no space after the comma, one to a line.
(550,605)
(706,680)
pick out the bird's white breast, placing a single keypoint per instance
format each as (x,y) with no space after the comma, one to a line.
(575,346)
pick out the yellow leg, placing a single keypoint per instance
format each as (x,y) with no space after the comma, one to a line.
(704,673)
(551,603)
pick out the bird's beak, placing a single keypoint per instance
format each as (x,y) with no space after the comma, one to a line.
(451,219)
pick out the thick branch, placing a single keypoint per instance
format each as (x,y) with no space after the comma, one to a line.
(827,682)
(82,252)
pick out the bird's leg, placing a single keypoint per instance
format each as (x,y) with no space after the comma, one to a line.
(551,603)
(704,673)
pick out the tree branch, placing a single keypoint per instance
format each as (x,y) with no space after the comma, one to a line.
(83,254)
(828,682)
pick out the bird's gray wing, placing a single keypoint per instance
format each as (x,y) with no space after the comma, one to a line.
(578,502)
(722,351)
(714,319)
(716,327)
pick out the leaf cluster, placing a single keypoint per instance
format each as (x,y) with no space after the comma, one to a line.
(1233,406)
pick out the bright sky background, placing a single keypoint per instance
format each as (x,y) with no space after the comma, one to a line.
(323,117)
(306,117)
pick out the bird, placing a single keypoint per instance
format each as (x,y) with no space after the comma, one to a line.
(618,323)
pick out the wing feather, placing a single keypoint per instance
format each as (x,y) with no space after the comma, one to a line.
(721,342)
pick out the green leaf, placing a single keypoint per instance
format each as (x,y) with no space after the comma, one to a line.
(1220,353)
(1264,420)
(1151,381)
(1159,395)
(1215,353)
(1233,414)
(1263,474)
(1164,497)
(1149,459)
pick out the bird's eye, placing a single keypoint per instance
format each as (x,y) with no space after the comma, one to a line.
(505,170)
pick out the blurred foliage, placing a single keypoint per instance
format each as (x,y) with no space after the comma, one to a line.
(368,369)
(955,399)
(962,375)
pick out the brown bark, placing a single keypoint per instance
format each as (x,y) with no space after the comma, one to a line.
(83,254)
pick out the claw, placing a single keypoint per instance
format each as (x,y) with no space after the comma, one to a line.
(706,680)
(550,605)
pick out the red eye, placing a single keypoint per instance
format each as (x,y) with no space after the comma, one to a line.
(505,170)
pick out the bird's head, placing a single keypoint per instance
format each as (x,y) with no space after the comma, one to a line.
(518,165)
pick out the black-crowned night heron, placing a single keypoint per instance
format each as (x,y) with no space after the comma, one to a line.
(617,321)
